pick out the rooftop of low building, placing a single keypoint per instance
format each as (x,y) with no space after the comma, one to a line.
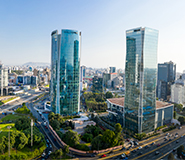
(120,102)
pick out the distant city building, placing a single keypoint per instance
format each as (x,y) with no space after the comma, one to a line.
(166,77)
(12,78)
(112,69)
(27,80)
(3,78)
(65,72)
(34,80)
(82,72)
(178,92)
(97,84)
(140,77)
(164,111)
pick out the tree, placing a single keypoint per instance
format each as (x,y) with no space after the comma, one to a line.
(66,149)
(109,138)
(22,123)
(3,144)
(71,138)
(118,129)
(55,124)
(87,137)
(180,150)
(20,140)
(181,120)
(108,95)
(57,154)
(171,156)
(174,114)
(97,143)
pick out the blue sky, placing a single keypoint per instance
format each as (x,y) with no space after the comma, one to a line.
(25,28)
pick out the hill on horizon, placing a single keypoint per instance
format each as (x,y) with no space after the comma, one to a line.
(36,64)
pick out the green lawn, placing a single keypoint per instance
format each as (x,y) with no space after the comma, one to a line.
(10,117)
(4,130)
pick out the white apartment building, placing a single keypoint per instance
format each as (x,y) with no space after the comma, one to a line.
(3,78)
(178,92)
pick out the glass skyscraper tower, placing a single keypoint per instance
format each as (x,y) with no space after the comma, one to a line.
(65,68)
(140,77)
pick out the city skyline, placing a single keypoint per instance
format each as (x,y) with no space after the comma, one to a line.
(26,27)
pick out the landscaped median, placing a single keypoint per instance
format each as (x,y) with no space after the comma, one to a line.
(8,100)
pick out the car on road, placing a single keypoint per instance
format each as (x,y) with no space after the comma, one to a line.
(123,155)
(140,153)
(182,136)
(176,135)
(174,150)
(140,147)
(136,143)
(146,146)
(177,141)
(128,140)
(153,143)
(157,152)
(123,148)
(104,155)
(158,145)
(49,152)
(134,151)
(43,154)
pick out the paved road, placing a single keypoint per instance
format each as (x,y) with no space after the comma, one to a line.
(18,102)
(149,153)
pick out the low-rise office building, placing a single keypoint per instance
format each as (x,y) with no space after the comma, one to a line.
(163,114)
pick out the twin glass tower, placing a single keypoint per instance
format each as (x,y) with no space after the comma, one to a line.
(65,70)
(140,77)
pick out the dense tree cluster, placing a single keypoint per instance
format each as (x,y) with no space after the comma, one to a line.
(181,119)
(57,121)
(72,139)
(21,138)
(108,138)
(23,109)
(181,152)
(22,123)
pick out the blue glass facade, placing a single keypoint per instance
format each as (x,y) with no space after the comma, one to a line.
(140,77)
(65,72)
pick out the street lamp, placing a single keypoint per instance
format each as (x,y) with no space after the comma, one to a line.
(31,132)
(9,141)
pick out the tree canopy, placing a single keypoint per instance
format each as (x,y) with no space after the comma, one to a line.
(22,123)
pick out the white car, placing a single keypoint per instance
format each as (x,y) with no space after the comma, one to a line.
(140,147)
(49,152)
(176,135)
(123,155)
(43,154)
(182,136)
